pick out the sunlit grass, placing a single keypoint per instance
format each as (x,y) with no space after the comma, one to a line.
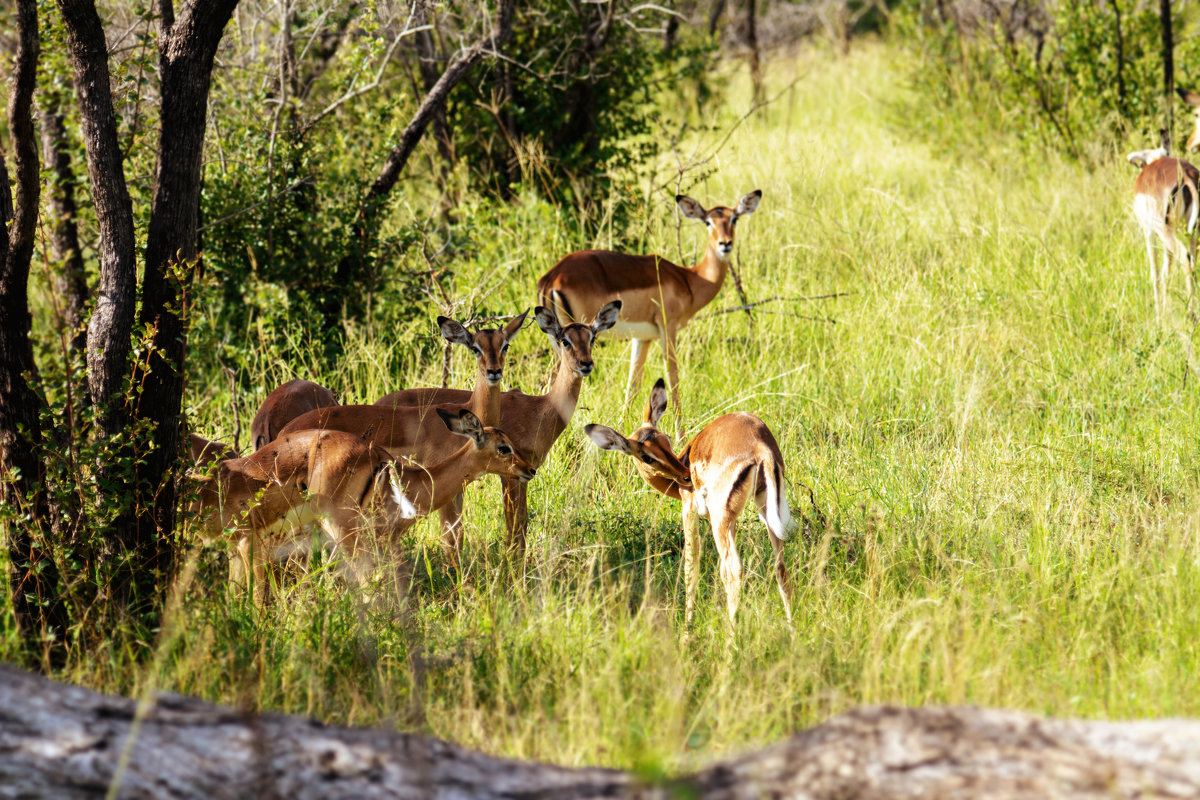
(996,431)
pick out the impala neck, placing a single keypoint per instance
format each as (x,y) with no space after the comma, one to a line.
(436,485)
(662,485)
(564,391)
(712,268)
(485,400)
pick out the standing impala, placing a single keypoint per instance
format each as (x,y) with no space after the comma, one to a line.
(1166,195)
(735,457)
(534,421)
(414,431)
(490,347)
(658,297)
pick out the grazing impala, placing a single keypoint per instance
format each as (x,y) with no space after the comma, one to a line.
(658,297)
(340,479)
(326,475)
(283,405)
(1165,196)
(535,421)
(733,459)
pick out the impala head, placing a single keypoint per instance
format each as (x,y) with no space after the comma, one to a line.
(489,346)
(650,447)
(500,456)
(721,221)
(574,342)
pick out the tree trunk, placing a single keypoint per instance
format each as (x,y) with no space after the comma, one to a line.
(33,577)
(112,320)
(752,47)
(187,47)
(70,280)
(66,742)
(1168,56)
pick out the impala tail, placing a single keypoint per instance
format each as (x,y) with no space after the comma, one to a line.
(779,516)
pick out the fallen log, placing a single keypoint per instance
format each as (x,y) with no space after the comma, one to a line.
(67,742)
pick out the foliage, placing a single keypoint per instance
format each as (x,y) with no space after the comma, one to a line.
(1079,76)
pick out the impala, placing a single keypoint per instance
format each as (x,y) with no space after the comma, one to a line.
(735,457)
(412,431)
(283,405)
(340,479)
(205,450)
(1164,196)
(534,421)
(658,298)
(326,475)
(490,347)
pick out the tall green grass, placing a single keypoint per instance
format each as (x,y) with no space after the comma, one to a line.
(1000,440)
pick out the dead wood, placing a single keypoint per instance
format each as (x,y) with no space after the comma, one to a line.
(67,742)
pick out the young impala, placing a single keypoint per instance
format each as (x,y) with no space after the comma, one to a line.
(534,421)
(325,476)
(412,430)
(341,480)
(658,298)
(1166,196)
(734,458)
(283,405)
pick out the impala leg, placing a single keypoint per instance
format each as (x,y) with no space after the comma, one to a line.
(724,527)
(451,517)
(638,349)
(668,347)
(250,552)
(516,516)
(781,573)
(691,556)
(1153,273)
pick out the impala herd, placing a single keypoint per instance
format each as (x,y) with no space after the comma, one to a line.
(363,474)
(366,473)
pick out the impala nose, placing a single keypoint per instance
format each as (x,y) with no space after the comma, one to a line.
(526,478)
(585,368)
(494,376)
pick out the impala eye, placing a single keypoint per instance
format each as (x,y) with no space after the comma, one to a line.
(504,450)
(647,459)
(478,350)
(504,348)
(565,343)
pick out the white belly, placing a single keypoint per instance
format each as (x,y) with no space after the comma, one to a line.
(646,331)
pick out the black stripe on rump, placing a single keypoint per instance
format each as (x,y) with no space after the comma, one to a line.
(741,479)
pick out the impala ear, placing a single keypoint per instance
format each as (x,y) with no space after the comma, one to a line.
(454,332)
(690,208)
(656,406)
(606,438)
(514,325)
(548,322)
(606,317)
(748,203)
(464,423)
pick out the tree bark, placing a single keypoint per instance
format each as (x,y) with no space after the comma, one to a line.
(112,320)
(66,742)
(752,47)
(71,277)
(1168,56)
(33,577)
(187,47)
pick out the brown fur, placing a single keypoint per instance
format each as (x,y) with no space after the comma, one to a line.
(283,405)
